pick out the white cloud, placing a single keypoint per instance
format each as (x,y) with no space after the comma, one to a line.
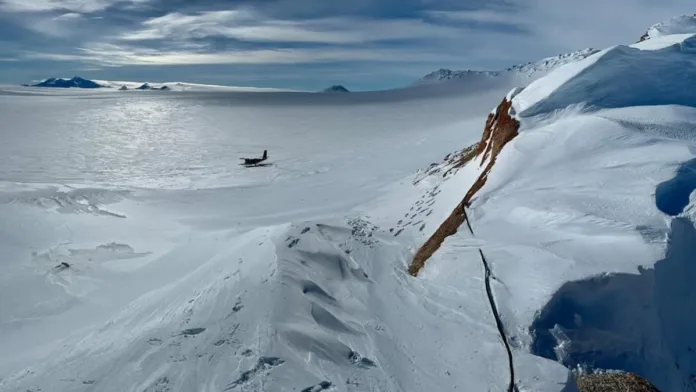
(247,26)
(540,28)
(80,6)
(558,26)
(114,55)
(69,16)
(480,16)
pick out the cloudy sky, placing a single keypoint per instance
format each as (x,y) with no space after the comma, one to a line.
(305,44)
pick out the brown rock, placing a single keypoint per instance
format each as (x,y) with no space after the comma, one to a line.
(500,129)
(613,382)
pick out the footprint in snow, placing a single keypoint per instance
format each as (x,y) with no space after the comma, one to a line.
(293,242)
(322,386)
(360,361)
(305,230)
(264,364)
(154,341)
(237,306)
(192,331)
(398,232)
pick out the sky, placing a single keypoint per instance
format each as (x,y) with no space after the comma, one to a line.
(305,44)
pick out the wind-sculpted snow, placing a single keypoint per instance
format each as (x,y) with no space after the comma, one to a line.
(608,80)
(80,200)
(265,312)
(636,322)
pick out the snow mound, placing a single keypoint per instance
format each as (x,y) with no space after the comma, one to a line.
(685,24)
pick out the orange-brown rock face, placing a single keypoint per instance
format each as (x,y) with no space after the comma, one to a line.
(500,129)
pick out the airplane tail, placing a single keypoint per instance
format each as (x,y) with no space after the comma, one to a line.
(265,154)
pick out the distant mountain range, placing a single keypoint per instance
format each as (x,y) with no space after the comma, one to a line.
(67,83)
(529,70)
(78,82)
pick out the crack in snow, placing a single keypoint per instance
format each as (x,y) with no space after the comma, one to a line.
(498,321)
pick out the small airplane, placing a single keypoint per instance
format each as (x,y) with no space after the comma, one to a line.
(255,161)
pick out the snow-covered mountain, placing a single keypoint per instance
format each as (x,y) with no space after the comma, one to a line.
(76,82)
(523,72)
(558,236)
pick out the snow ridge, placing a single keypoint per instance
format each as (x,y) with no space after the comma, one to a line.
(684,24)
(528,70)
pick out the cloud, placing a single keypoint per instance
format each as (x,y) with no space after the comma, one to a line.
(245,25)
(53,5)
(79,6)
(114,55)
(389,39)
(69,16)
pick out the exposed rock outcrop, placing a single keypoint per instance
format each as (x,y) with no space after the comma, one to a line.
(613,382)
(147,86)
(500,129)
(336,89)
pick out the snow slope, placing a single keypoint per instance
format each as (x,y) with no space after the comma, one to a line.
(586,217)
(186,271)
